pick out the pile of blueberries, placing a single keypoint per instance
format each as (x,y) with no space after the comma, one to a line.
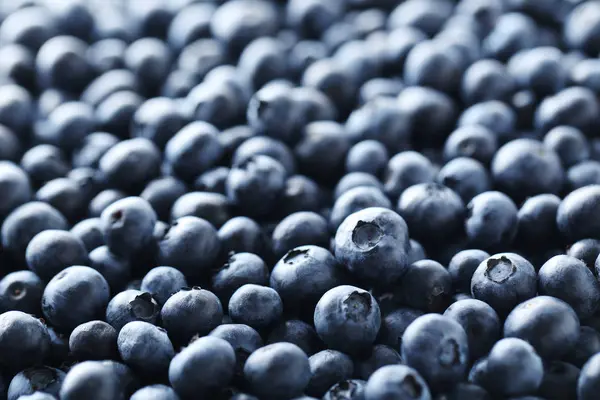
(300,199)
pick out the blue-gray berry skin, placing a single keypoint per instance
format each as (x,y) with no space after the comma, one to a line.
(347,319)
(373,244)
(437,347)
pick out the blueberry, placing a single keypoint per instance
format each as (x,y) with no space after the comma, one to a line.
(296,332)
(582,28)
(583,174)
(394,324)
(353,389)
(432,211)
(131,164)
(179,83)
(174,248)
(367,156)
(266,146)
(90,379)
(256,306)
(271,111)
(312,18)
(61,62)
(30,27)
(462,267)
(437,347)
(524,167)
(480,322)
(327,368)
(430,112)
(145,348)
(431,64)
(150,60)
(38,379)
(241,234)
(16,107)
(513,368)
(465,176)
(560,381)
(277,370)
(585,73)
(569,279)
(213,207)
(512,32)
(162,193)
(406,169)
(539,69)
(217,103)
(575,106)
(380,356)
(14,182)
(162,283)
(205,365)
(161,392)
(586,250)
(353,180)
(426,286)
(238,22)
(467,391)
(255,185)
(381,119)
(43,163)
(238,270)
(244,340)
(329,77)
(18,65)
(108,83)
(21,291)
(373,244)
(94,340)
(23,339)
(115,114)
(494,115)
(549,324)
(472,141)
(355,200)
(574,214)
(586,346)
(128,225)
(103,200)
(212,181)
(131,305)
(503,281)
(92,148)
(51,251)
(191,312)
(64,291)
(26,221)
(537,221)
(397,382)
(64,194)
(158,119)
(322,150)
(491,220)
(425,15)
(485,80)
(190,23)
(10,145)
(347,319)
(107,54)
(90,232)
(397,46)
